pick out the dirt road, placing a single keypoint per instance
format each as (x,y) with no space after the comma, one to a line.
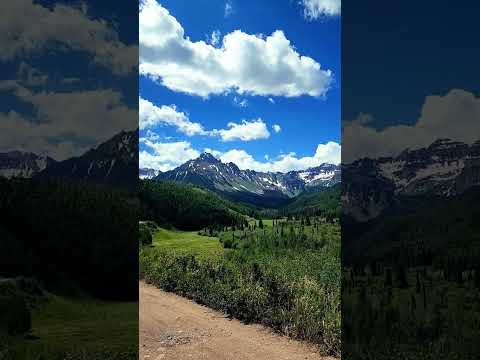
(174,328)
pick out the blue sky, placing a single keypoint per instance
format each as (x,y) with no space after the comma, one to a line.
(409,75)
(263,91)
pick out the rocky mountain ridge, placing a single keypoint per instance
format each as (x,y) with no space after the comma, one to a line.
(263,188)
(443,169)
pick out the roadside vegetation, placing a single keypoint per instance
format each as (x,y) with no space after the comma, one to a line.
(281,272)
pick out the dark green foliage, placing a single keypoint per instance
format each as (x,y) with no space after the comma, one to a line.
(187,207)
(425,302)
(145,235)
(15,317)
(70,236)
(325,202)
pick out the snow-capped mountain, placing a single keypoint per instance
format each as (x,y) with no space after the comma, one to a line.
(114,162)
(445,168)
(248,185)
(21,164)
(324,175)
(147,173)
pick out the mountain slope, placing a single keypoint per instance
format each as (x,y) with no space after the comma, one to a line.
(260,188)
(326,201)
(20,164)
(147,173)
(187,207)
(445,168)
(113,163)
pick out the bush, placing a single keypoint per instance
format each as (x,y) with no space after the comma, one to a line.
(15,317)
(257,288)
(145,235)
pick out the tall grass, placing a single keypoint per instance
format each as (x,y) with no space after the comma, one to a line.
(294,291)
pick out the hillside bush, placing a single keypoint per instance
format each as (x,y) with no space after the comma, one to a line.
(272,288)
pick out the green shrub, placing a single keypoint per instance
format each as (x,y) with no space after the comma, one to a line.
(15,317)
(283,290)
(145,235)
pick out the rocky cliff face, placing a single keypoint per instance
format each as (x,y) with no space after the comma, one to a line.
(21,164)
(445,168)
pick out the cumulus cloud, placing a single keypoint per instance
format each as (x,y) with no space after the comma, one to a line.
(28,28)
(325,153)
(314,9)
(276,128)
(454,116)
(245,131)
(93,116)
(245,64)
(215,153)
(214,38)
(151,115)
(166,156)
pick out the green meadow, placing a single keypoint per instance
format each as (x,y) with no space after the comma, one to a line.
(74,328)
(281,273)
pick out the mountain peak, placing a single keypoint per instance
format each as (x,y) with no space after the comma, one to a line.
(206,156)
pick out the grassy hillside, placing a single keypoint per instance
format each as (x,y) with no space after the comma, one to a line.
(324,202)
(187,207)
(75,328)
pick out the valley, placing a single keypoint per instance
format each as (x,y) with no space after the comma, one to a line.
(282,272)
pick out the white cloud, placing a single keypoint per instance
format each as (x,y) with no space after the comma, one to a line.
(152,136)
(49,131)
(28,27)
(314,9)
(166,156)
(325,153)
(454,116)
(276,128)
(246,131)
(151,115)
(245,64)
(30,76)
(215,153)
(240,102)
(214,38)
(228,9)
